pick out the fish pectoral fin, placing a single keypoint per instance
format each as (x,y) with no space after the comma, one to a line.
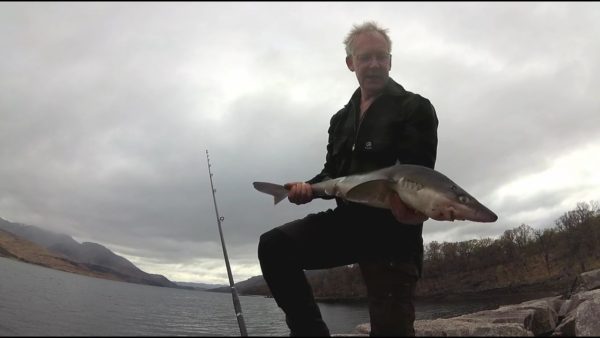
(374,193)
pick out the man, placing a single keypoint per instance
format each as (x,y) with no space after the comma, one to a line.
(381,124)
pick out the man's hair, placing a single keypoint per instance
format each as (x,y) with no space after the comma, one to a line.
(369,26)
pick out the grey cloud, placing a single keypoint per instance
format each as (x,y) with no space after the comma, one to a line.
(107,110)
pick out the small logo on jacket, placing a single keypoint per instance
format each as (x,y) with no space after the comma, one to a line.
(368,145)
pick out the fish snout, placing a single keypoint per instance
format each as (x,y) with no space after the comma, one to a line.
(463,213)
(483,214)
(477,212)
(486,216)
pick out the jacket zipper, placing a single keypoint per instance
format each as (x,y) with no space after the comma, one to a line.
(357,130)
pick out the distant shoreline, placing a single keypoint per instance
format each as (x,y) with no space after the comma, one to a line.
(533,291)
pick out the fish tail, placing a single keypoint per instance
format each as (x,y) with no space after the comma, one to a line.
(277,191)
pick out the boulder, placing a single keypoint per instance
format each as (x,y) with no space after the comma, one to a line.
(538,317)
(587,281)
(463,327)
(582,316)
(577,316)
(567,306)
(587,317)
(531,318)
(458,327)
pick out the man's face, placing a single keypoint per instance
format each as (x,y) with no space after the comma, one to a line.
(371,61)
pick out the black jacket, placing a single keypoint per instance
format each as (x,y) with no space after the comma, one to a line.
(398,126)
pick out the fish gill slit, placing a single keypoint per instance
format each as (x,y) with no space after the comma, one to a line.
(411,185)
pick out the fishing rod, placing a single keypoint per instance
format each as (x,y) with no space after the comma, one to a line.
(234,295)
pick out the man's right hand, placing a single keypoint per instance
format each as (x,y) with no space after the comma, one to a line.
(299,192)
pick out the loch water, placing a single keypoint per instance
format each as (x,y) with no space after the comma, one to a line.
(38,301)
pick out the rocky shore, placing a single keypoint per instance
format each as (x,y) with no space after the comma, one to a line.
(574,314)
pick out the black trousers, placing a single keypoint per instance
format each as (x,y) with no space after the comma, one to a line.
(389,255)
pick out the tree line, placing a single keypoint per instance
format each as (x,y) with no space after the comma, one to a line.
(575,238)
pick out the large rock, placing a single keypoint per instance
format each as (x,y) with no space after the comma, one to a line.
(582,315)
(587,317)
(464,327)
(532,318)
(577,316)
(538,317)
(458,327)
(587,281)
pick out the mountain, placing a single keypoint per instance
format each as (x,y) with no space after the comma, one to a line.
(257,286)
(15,247)
(198,286)
(88,256)
(253,286)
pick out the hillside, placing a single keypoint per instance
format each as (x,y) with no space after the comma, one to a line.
(198,286)
(38,246)
(12,246)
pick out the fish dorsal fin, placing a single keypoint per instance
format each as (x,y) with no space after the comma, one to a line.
(374,193)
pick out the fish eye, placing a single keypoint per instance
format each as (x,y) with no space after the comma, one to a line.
(463,199)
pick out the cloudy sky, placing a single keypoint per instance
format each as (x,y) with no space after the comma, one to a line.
(107,109)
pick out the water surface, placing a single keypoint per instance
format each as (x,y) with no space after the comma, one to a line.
(38,301)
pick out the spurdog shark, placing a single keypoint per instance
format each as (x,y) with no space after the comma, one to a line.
(421,188)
